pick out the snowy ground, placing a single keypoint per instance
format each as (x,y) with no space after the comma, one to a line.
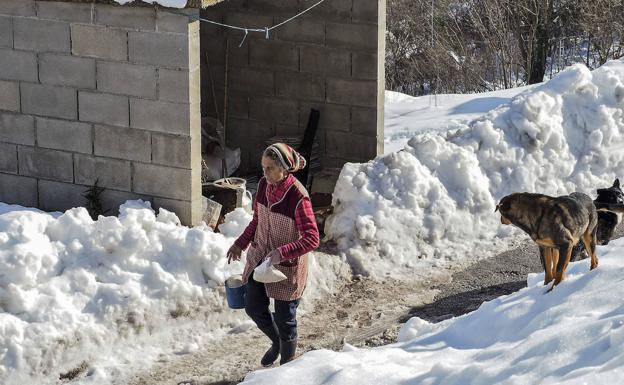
(99,299)
(573,335)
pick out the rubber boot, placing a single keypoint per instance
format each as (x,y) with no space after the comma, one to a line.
(287,350)
(271,355)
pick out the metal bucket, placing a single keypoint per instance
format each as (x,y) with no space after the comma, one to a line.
(235,292)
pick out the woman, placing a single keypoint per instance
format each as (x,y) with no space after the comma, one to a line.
(284,230)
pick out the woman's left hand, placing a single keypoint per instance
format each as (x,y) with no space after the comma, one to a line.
(275,256)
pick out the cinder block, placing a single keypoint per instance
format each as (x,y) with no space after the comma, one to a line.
(325,60)
(170,150)
(99,42)
(65,70)
(173,86)
(289,130)
(302,31)
(103,108)
(360,148)
(18,190)
(160,116)
(9,96)
(41,35)
(6,32)
(8,158)
(335,10)
(58,10)
(127,79)
(57,196)
(122,143)
(352,92)
(64,135)
(251,81)
(161,181)
(274,55)
(143,18)
(112,199)
(17,128)
(300,86)
(365,11)
(167,21)
(53,101)
(18,65)
(182,209)
(285,7)
(44,163)
(274,110)
(160,49)
(251,137)
(364,65)
(214,47)
(352,36)
(194,87)
(332,117)
(17,7)
(364,121)
(109,173)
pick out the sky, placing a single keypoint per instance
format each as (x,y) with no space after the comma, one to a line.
(119,292)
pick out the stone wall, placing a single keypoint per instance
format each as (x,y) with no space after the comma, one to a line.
(99,92)
(330,59)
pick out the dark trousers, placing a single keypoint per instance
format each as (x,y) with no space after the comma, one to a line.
(257,308)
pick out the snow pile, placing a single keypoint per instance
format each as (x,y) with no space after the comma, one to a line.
(406,115)
(116,294)
(76,285)
(573,335)
(434,200)
(164,3)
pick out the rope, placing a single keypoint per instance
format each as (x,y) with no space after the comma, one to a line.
(265,30)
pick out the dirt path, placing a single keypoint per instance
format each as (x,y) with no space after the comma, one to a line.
(363,312)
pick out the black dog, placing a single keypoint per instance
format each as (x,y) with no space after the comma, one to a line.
(607,220)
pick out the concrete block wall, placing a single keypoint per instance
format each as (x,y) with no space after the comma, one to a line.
(330,59)
(98,91)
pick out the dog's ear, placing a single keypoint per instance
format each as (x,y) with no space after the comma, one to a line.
(497,206)
(616,184)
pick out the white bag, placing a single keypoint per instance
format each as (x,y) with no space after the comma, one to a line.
(266,273)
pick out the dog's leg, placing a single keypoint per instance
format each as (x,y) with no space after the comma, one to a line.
(589,240)
(546,257)
(554,260)
(545,263)
(565,252)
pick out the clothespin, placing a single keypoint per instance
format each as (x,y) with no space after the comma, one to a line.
(266,31)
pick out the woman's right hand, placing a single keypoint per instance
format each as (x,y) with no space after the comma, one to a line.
(234,253)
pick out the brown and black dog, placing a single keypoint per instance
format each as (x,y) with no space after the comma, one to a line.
(556,225)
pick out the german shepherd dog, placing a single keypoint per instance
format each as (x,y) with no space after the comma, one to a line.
(556,225)
(609,216)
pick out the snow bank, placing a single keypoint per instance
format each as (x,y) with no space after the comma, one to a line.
(164,3)
(434,201)
(573,335)
(116,294)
